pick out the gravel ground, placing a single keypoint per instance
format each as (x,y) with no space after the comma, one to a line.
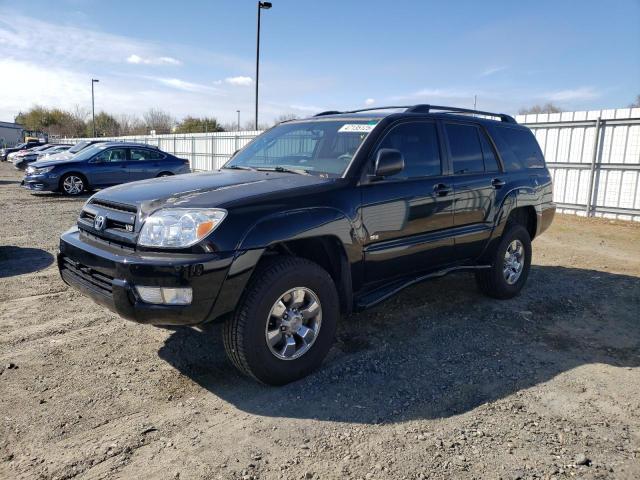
(438,382)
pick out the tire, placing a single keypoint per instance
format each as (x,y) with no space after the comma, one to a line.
(73,184)
(245,333)
(495,281)
(164,174)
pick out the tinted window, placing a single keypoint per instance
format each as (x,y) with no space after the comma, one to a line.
(489,154)
(519,148)
(113,155)
(144,154)
(464,145)
(418,143)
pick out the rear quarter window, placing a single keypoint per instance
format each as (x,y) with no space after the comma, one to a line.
(518,147)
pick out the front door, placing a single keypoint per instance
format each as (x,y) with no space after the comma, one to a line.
(476,177)
(110,167)
(407,216)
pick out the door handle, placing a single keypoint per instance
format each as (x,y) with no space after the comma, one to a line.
(497,183)
(442,190)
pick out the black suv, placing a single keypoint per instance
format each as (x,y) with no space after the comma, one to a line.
(313,219)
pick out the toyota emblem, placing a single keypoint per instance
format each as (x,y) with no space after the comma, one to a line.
(99,222)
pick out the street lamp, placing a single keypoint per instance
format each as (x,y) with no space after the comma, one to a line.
(238,112)
(266,6)
(93,106)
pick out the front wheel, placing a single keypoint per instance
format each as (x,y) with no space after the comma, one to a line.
(72,184)
(285,323)
(511,263)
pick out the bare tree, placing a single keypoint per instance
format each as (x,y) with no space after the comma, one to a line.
(546,108)
(636,103)
(285,117)
(158,120)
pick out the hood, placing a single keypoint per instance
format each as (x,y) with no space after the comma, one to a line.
(51,162)
(60,156)
(207,190)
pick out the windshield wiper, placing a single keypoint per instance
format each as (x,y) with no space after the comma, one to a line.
(239,167)
(298,171)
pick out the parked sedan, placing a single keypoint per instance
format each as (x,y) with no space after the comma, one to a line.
(5,152)
(78,147)
(102,165)
(23,159)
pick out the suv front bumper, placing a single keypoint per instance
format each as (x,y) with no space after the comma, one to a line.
(109,275)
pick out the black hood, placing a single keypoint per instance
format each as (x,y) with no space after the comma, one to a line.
(222,189)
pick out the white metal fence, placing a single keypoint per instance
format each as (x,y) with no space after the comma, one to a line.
(594,157)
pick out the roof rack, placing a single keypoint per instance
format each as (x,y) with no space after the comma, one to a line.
(424,108)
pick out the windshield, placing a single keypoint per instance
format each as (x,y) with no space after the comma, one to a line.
(89,152)
(316,147)
(78,146)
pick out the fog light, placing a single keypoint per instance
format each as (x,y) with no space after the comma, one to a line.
(165,295)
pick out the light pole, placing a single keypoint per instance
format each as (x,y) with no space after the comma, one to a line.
(266,6)
(93,106)
(238,112)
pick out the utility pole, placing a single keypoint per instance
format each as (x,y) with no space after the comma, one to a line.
(93,106)
(266,6)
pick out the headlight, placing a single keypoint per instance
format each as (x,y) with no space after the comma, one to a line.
(179,227)
(38,171)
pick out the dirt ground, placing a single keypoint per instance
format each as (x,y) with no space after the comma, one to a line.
(438,382)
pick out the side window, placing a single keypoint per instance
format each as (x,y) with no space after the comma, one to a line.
(113,155)
(489,154)
(418,143)
(519,148)
(464,146)
(140,154)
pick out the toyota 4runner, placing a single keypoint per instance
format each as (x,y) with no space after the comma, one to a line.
(313,219)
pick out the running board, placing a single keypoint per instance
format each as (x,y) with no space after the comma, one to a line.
(384,293)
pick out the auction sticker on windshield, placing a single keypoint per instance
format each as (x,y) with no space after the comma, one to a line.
(356,127)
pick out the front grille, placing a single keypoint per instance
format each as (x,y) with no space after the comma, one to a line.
(120,207)
(105,241)
(87,276)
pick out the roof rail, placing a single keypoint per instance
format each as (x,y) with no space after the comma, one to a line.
(426,109)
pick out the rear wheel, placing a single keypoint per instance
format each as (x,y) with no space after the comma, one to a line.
(511,263)
(285,323)
(73,184)
(164,174)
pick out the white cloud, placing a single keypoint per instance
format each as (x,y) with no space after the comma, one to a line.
(137,60)
(492,70)
(239,81)
(184,85)
(369,101)
(576,94)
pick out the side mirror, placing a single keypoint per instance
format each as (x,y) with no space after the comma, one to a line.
(389,161)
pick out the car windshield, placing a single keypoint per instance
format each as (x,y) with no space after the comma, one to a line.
(315,147)
(89,152)
(78,146)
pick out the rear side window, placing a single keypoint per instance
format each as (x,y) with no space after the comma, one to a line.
(519,148)
(489,154)
(418,143)
(144,154)
(464,147)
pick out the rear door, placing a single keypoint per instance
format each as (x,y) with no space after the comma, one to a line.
(476,176)
(110,167)
(144,163)
(408,216)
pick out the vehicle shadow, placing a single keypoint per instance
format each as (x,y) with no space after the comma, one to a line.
(18,260)
(438,349)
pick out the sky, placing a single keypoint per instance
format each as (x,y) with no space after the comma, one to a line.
(198,57)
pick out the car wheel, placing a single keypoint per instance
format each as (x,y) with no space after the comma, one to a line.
(510,264)
(285,323)
(72,184)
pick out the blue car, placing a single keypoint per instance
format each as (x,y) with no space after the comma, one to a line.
(102,165)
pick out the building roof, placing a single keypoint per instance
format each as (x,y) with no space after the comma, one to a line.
(17,126)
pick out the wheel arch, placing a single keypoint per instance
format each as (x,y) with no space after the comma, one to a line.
(79,174)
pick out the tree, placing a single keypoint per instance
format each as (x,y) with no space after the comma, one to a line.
(131,125)
(158,120)
(636,103)
(191,124)
(546,108)
(106,126)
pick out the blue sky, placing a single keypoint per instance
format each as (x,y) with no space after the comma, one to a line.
(198,57)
